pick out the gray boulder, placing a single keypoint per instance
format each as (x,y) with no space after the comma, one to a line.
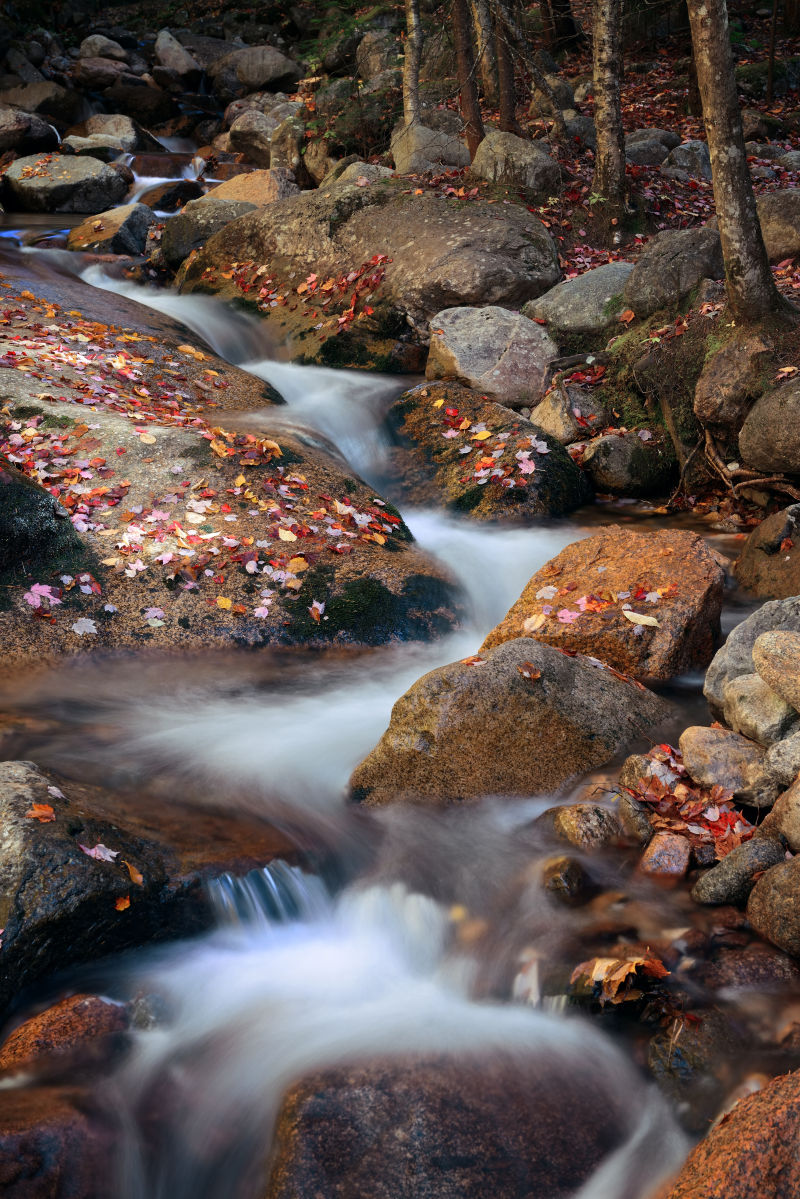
(721,758)
(120,231)
(775,657)
(99,46)
(174,57)
(783,762)
(106,149)
(541,106)
(378,51)
(497,352)
(773,910)
(251,135)
(251,69)
(649,147)
(63,106)
(66,184)
(692,157)
(624,463)
(672,264)
(588,304)
(769,439)
(554,717)
(125,130)
(734,878)
(415,149)
(569,414)
(779,217)
(735,658)
(98,73)
(198,221)
(505,158)
(753,709)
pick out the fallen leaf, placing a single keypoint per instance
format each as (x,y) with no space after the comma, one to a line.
(529,671)
(100,852)
(638,618)
(136,875)
(123,902)
(41,812)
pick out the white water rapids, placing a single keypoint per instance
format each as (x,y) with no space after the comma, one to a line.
(289,986)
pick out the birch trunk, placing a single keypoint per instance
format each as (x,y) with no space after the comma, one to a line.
(609,164)
(487,62)
(751,290)
(412,111)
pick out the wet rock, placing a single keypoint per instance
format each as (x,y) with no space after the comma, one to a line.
(51,928)
(692,157)
(625,463)
(566,413)
(779,217)
(507,159)
(753,709)
(198,220)
(757,967)
(430,463)
(118,231)
(672,263)
(107,149)
(99,46)
(638,769)
(667,855)
(584,825)
(736,655)
(143,102)
(690,1062)
(490,256)
(416,149)
(25,132)
(53,1142)
(773,908)
(775,657)
(170,196)
(783,762)
(673,567)
(433,1129)
(769,564)
(633,818)
(35,529)
(250,69)
(492,350)
(732,880)
(566,880)
(732,379)
(442,743)
(175,57)
(256,187)
(587,305)
(65,184)
(751,1153)
(77,1026)
(769,439)
(784,818)
(720,758)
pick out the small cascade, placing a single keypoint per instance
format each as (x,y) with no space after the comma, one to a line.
(279,893)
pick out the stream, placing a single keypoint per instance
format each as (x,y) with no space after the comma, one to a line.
(302,973)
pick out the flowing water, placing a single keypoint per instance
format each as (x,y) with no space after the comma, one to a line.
(297,977)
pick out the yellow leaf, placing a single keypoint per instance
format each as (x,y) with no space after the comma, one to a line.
(465,424)
(224,602)
(481,436)
(136,875)
(239,481)
(438,403)
(109,561)
(186,349)
(293,584)
(533,623)
(287,535)
(147,438)
(297,565)
(638,618)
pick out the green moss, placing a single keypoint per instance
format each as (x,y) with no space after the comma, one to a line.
(37,539)
(613,305)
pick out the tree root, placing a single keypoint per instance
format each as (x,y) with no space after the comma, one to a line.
(746,478)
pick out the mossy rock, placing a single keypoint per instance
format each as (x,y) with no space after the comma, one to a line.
(37,539)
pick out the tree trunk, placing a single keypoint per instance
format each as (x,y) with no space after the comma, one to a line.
(509,29)
(560,27)
(465,65)
(487,61)
(505,76)
(791,16)
(609,163)
(412,111)
(694,105)
(751,290)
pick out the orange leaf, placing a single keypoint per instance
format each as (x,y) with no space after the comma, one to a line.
(627,316)
(136,875)
(123,902)
(41,812)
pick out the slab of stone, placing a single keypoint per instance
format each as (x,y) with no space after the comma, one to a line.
(732,880)
(753,709)
(776,657)
(589,304)
(666,854)
(721,758)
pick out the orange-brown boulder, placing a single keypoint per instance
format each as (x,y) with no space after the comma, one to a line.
(752,1153)
(73,1025)
(645,603)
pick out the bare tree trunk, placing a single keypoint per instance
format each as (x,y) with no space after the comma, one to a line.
(560,27)
(487,61)
(609,162)
(505,76)
(509,28)
(412,111)
(465,65)
(791,16)
(751,290)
